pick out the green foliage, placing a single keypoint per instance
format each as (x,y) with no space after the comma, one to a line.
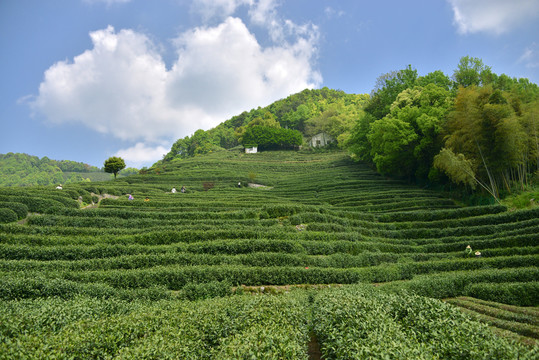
(200,143)
(270,138)
(115,280)
(486,130)
(360,322)
(391,142)
(26,170)
(523,321)
(457,167)
(20,209)
(388,86)
(471,71)
(479,129)
(7,215)
(194,291)
(113,165)
(332,111)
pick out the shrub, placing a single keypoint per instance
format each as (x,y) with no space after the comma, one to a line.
(7,215)
(208,185)
(193,291)
(274,211)
(87,198)
(20,209)
(515,293)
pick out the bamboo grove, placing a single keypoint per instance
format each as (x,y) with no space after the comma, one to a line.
(478,130)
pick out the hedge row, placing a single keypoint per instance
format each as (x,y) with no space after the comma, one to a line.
(14,287)
(20,209)
(7,215)
(461,283)
(361,323)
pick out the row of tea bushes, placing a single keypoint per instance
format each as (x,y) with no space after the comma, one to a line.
(351,322)
(361,323)
(248,327)
(521,323)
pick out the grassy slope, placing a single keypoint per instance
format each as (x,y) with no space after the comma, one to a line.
(325,220)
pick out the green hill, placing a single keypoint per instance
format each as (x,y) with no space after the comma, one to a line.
(312,251)
(26,170)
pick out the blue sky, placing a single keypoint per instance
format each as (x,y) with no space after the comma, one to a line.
(84,80)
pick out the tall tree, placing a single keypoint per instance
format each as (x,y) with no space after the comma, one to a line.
(113,165)
(404,142)
(388,86)
(471,71)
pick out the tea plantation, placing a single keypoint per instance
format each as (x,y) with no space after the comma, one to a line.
(207,273)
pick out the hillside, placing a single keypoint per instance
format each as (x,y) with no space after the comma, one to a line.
(191,275)
(306,113)
(26,170)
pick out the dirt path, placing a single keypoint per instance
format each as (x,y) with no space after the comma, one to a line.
(100,197)
(313,351)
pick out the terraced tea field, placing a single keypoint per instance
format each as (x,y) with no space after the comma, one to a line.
(170,275)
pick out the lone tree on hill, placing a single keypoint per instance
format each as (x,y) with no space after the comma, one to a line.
(114,164)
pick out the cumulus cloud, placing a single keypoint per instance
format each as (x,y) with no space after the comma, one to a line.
(224,70)
(141,154)
(115,88)
(122,87)
(492,16)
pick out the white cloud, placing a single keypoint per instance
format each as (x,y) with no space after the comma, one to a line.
(263,11)
(220,9)
(122,86)
(107,2)
(530,57)
(332,13)
(115,88)
(224,70)
(142,154)
(493,16)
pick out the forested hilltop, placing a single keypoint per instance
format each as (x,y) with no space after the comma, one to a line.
(18,169)
(475,129)
(305,114)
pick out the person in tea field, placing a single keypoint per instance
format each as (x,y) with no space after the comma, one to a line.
(147,199)
(174,190)
(239,184)
(183,189)
(130,197)
(59,187)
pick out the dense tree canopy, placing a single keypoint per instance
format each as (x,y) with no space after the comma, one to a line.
(271,138)
(479,129)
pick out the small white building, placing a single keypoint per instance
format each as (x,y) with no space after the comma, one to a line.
(321,139)
(251,150)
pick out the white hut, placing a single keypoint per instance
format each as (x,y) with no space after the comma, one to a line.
(321,139)
(251,150)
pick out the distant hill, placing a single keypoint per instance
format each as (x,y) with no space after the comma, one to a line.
(18,169)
